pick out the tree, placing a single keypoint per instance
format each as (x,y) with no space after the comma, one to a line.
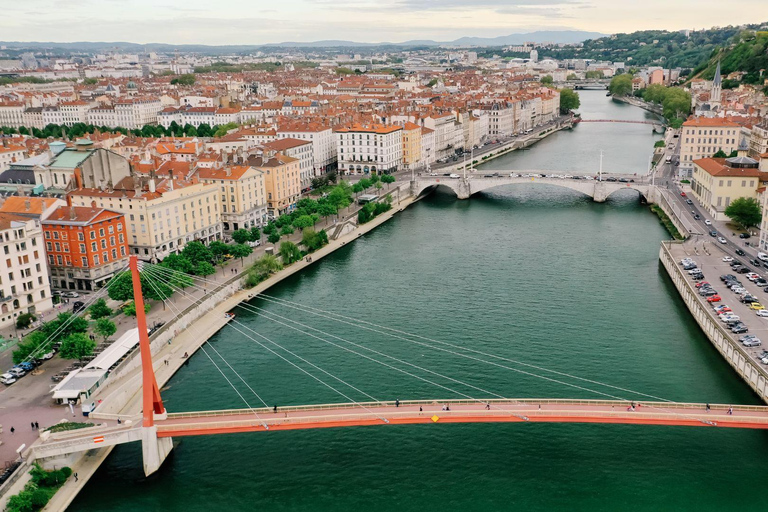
(547,80)
(130,308)
(595,74)
(186,79)
(178,262)
(240,251)
(255,234)
(326,210)
(304,221)
(569,100)
(365,183)
(676,103)
(621,85)
(286,230)
(62,327)
(273,238)
(289,252)
(24,319)
(744,211)
(720,154)
(196,252)
(204,268)
(241,236)
(655,93)
(357,188)
(218,249)
(572,76)
(388,179)
(105,328)
(313,240)
(29,346)
(77,346)
(99,309)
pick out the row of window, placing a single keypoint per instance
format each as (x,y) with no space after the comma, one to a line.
(66,261)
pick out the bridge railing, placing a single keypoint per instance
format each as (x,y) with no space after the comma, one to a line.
(620,413)
(523,401)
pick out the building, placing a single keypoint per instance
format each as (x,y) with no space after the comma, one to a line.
(718,181)
(411,146)
(758,140)
(85,245)
(299,149)
(11,114)
(242,193)
(322,139)
(281,181)
(161,215)
(702,137)
(370,148)
(10,153)
(23,270)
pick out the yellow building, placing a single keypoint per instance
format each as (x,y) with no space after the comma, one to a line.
(162,215)
(702,137)
(282,181)
(718,181)
(411,145)
(242,194)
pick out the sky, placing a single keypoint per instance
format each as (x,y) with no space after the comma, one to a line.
(221,22)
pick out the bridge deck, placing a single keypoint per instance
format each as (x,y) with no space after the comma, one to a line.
(567,411)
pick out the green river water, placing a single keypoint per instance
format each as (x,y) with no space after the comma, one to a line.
(533,273)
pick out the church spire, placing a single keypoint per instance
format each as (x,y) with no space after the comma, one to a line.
(717,83)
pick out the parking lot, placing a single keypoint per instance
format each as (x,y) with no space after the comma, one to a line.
(713,262)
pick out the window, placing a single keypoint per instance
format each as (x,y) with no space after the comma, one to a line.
(93,246)
(93,235)
(95,259)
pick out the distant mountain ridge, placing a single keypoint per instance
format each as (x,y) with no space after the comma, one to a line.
(554,36)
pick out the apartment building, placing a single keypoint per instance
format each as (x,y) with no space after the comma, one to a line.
(85,245)
(73,112)
(702,137)
(321,137)
(758,140)
(501,119)
(282,181)
(23,270)
(162,215)
(10,153)
(718,181)
(11,114)
(242,194)
(300,150)
(369,148)
(411,145)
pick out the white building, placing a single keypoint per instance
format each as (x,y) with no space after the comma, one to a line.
(369,148)
(11,114)
(23,269)
(322,139)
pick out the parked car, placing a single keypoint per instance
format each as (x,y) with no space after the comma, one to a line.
(27,366)
(743,270)
(17,372)
(745,235)
(740,252)
(254,243)
(727,259)
(7,379)
(722,308)
(749,299)
(708,222)
(70,295)
(694,270)
(703,283)
(722,240)
(762,312)
(713,233)
(754,342)
(77,307)
(48,355)
(739,328)
(756,306)
(714,298)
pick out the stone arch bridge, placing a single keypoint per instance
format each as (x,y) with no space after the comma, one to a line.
(599,191)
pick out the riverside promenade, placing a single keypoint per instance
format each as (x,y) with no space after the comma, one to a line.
(187,341)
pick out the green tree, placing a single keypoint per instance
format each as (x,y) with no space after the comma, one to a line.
(313,240)
(28,347)
(105,328)
(621,85)
(273,238)
(286,230)
(720,154)
(196,252)
(130,308)
(178,262)
(24,320)
(365,183)
(326,210)
(240,251)
(241,236)
(572,76)
(204,268)
(99,309)
(185,79)
(388,179)
(255,234)
(655,93)
(218,249)
(289,252)
(547,80)
(262,269)
(304,221)
(357,188)
(62,327)
(569,100)
(676,103)
(594,74)
(77,346)
(745,211)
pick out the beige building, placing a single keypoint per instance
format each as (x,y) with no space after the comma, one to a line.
(282,181)
(162,215)
(758,140)
(702,137)
(23,270)
(411,145)
(718,181)
(242,194)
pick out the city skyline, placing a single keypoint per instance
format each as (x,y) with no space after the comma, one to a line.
(241,22)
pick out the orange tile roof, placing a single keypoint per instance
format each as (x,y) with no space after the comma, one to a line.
(18,204)
(235,173)
(719,167)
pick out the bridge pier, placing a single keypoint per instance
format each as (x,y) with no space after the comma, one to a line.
(154,449)
(600,194)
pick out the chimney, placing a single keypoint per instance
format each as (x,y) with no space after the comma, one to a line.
(93,204)
(72,213)
(228,171)
(27,204)
(152,185)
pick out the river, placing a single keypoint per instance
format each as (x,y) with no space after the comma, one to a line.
(538,274)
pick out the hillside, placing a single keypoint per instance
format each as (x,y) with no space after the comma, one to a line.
(652,47)
(747,52)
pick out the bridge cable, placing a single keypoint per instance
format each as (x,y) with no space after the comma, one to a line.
(480,360)
(170,304)
(299,367)
(263,312)
(329,315)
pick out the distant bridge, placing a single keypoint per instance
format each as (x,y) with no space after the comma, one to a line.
(654,123)
(595,84)
(599,191)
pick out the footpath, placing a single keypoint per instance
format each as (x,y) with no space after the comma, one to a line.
(189,341)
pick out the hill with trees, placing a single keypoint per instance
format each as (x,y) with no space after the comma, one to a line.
(653,47)
(747,52)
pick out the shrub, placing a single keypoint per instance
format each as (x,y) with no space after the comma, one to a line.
(24,319)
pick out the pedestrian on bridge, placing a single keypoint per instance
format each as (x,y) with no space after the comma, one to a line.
(275,409)
(707,407)
(397,402)
(730,410)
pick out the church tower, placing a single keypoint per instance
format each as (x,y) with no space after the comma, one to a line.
(717,84)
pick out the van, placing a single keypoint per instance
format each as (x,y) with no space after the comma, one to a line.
(762,256)
(454,176)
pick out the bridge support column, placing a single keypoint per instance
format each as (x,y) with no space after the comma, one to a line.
(600,193)
(154,449)
(462,189)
